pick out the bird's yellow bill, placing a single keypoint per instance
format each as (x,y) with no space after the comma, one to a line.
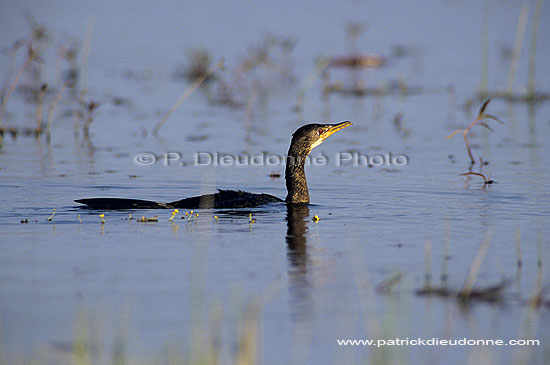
(335,128)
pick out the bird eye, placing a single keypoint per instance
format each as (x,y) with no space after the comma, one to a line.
(321,131)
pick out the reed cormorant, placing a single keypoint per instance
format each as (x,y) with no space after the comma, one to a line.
(303,141)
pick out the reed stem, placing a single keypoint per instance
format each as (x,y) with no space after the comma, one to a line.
(533,51)
(518,43)
(198,82)
(475,266)
(52,108)
(31,55)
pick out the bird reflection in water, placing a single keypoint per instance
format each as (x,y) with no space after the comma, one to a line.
(296,238)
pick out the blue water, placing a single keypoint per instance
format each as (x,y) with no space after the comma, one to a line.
(314,283)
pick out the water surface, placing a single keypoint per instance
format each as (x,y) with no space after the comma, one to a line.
(311,283)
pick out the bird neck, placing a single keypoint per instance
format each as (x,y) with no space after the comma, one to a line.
(295,176)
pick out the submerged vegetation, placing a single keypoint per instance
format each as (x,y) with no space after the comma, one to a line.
(29,81)
(491,293)
(486,181)
(266,69)
(530,95)
(355,62)
(478,121)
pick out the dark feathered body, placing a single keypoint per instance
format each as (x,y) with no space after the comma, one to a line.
(121,203)
(220,200)
(225,199)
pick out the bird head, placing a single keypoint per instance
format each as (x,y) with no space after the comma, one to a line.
(309,136)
